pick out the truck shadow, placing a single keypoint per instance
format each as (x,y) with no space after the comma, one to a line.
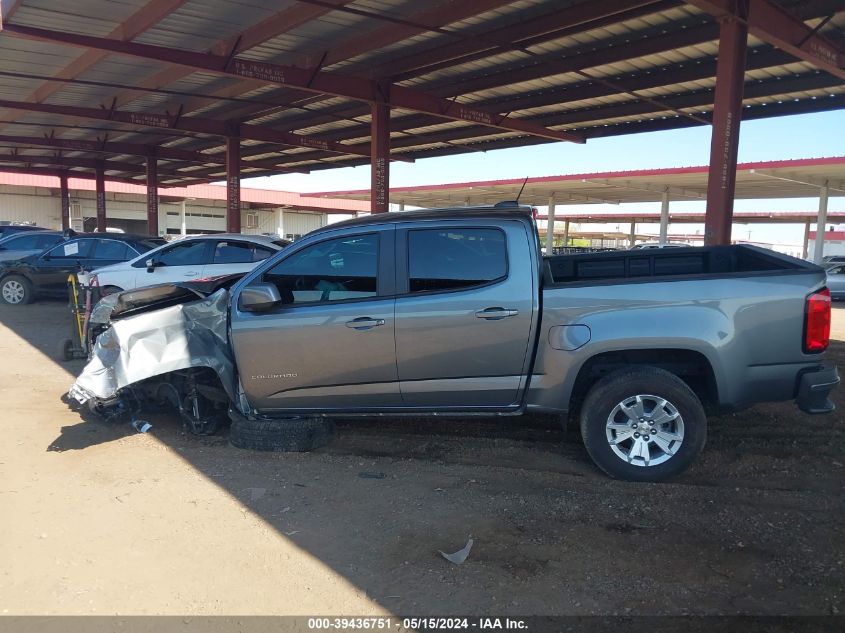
(379,502)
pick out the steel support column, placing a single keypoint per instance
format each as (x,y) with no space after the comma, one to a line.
(64,195)
(380,157)
(152,195)
(550,226)
(806,245)
(101,199)
(821,226)
(632,236)
(664,217)
(233,184)
(566,232)
(727,113)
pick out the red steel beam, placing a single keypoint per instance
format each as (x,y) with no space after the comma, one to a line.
(152,195)
(64,196)
(233,184)
(727,114)
(320,82)
(379,165)
(101,198)
(508,37)
(190,124)
(774,25)
(87,163)
(136,149)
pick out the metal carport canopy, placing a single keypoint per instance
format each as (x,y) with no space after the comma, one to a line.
(761,180)
(263,88)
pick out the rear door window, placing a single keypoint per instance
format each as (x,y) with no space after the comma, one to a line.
(454,259)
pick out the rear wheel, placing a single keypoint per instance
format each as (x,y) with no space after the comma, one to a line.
(287,435)
(16,290)
(643,424)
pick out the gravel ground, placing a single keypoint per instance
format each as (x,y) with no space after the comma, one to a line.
(99,519)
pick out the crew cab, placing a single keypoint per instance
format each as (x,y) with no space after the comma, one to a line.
(454,312)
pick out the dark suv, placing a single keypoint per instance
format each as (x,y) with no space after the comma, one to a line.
(45,274)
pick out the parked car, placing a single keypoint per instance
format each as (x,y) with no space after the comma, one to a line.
(22,244)
(45,274)
(454,313)
(9,229)
(192,257)
(836,281)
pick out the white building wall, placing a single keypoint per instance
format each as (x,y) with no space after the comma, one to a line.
(43,207)
(37,205)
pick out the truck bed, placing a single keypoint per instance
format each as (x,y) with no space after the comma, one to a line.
(667,264)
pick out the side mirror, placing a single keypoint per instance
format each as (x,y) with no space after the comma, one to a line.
(151,265)
(259,296)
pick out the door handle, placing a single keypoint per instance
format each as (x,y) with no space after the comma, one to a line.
(193,273)
(494,314)
(364,323)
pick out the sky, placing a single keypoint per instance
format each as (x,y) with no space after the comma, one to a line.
(778,138)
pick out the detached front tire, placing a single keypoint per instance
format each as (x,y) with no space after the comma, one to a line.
(643,424)
(289,435)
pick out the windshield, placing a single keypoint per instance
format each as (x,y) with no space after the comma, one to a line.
(142,246)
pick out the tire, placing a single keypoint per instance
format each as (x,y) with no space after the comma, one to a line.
(16,290)
(650,395)
(64,351)
(286,436)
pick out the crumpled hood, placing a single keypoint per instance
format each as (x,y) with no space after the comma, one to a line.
(149,344)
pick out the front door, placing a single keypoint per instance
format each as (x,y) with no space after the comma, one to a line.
(329,344)
(50,270)
(463,320)
(181,261)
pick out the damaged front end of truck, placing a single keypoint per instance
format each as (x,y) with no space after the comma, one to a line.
(165,347)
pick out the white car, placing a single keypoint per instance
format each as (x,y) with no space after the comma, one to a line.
(192,257)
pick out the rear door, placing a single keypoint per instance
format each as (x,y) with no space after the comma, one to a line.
(329,345)
(465,313)
(49,271)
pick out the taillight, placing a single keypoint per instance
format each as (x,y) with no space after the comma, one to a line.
(817,325)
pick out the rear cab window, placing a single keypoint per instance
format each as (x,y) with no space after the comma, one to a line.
(455,258)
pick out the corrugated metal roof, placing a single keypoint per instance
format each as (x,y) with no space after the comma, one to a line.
(551,75)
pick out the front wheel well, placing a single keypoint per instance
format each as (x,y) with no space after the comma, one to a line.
(692,367)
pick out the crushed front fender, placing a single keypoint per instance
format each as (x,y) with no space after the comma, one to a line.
(150,344)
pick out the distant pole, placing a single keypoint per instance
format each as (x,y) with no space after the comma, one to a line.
(566,232)
(65,200)
(632,236)
(818,249)
(550,226)
(101,198)
(806,249)
(664,217)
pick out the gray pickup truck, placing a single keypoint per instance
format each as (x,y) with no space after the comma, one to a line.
(455,312)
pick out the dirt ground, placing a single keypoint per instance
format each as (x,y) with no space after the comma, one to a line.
(98,519)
